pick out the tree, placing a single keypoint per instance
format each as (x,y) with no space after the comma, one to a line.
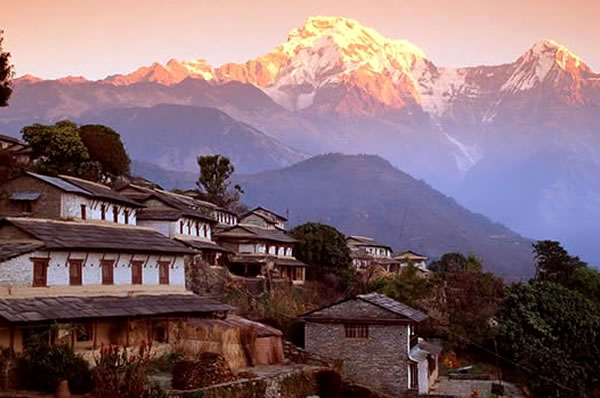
(552,333)
(215,171)
(56,149)
(455,262)
(10,165)
(553,263)
(6,74)
(407,287)
(323,247)
(586,281)
(104,146)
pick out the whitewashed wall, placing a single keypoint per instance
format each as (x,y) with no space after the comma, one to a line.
(166,228)
(172,229)
(19,270)
(71,208)
(225,218)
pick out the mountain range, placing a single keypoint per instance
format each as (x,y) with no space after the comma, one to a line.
(518,142)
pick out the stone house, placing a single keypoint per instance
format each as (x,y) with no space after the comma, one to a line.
(377,339)
(262,248)
(404,258)
(64,197)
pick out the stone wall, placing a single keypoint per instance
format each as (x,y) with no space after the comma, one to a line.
(357,309)
(379,361)
(48,205)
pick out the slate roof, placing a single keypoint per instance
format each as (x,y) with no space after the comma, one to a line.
(89,236)
(12,140)
(202,244)
(60,184)
(271,212)
(234,321)
(100,191)
(290,262)
(170,214)
(10,250)
(394,306)
(252,232)
(407,254)
(17,310)
(365,241)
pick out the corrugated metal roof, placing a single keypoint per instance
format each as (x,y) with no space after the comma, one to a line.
(393,306)
(66,308)
(60,184)
(25,196)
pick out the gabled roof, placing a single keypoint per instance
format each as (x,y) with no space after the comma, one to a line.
(249,231)
(381,301)
(256,210)
(17,310)
(408,254)
(150,213)
(100,191)
(89,236)
(364,241)
(84,187)
(12,140)
(203,245)
(394,306)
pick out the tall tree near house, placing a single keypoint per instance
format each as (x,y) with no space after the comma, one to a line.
(104,146)
(553,262)
(323,247)
(56,149)
(214,184)
(6,74)
(407,287)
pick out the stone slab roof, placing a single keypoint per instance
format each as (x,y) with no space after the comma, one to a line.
(171,214)
(89,236)
(234,321)
(100,191)
(394,306)
(25,195)
(259,209)
(203,244)
(362,241)
(39,309)
(10,250)
(252,232)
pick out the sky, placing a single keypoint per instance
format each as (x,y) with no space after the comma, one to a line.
(94,39)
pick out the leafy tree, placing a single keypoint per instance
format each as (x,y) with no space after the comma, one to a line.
(553,333)
(215,171)
(323,247)
(455,262)
(6,74)
(407,287)
(553,263)
(586,281)
(104,146)
(10,165)
(56,149)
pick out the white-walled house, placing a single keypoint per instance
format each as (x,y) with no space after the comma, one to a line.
(66,198)
(367,251)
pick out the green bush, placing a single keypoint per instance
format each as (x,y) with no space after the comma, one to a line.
(56,363)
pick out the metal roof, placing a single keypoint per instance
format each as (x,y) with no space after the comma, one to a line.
(393,306)
(25,196)
(60,183)
(16,310)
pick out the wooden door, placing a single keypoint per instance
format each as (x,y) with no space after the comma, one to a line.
(136,272)
(75,272)
(163,272)
(40,273)
(107,272)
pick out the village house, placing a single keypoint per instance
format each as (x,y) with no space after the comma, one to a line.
(183,218)
(19,149)
(403,259)
(377,339)
(262,247)
(66,198)
(366,252)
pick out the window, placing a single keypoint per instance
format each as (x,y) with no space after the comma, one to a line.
(189,225)
(413,376)
(126,214)
(115,214)
(356,331)
(163,272)
(103,212)
(40,272)
(295,273)
(75,272)
(26,206)
(108,277)
(83,212)
(84,331)
(136,272)
(181,227)
(197,229)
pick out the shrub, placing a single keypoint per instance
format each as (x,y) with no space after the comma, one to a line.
(123,374)
(55,363)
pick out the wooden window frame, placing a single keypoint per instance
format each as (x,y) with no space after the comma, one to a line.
(75,281)
(137,264)
(115,214)
(413,376)
(126,216)
(25,206)
(42,279)
(83,212)
(106,280)
(356,331)
(181,227)
(103,212)
(164,278)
